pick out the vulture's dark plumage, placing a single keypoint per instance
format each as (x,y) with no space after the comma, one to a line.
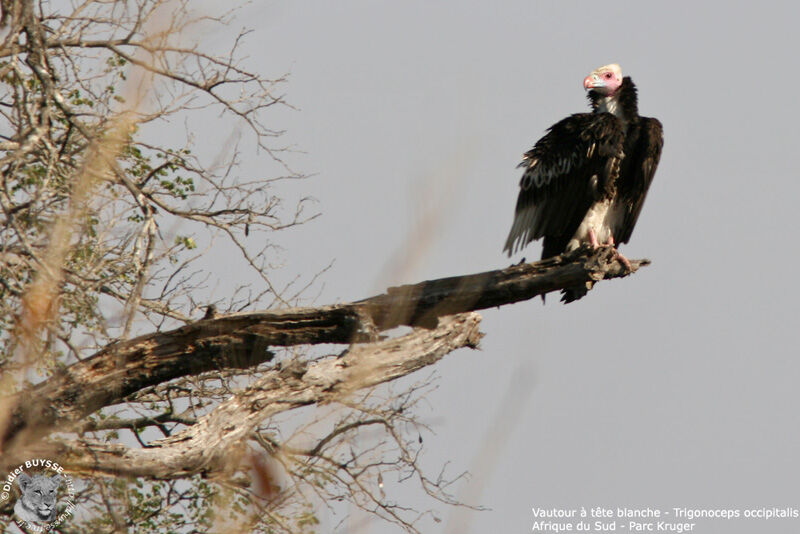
(585,181)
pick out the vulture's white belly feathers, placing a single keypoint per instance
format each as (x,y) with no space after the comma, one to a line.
(602,218)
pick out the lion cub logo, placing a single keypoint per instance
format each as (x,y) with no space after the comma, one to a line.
(38,501)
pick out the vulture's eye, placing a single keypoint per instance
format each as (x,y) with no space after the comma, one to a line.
(608,75)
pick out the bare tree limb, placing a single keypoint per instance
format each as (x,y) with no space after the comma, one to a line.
(242,340)
(210,445)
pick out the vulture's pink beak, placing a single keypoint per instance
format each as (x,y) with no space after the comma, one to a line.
(592,82)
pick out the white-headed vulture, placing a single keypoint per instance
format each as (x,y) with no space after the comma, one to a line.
(585,181)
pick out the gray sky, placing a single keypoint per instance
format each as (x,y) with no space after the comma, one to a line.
(675,387)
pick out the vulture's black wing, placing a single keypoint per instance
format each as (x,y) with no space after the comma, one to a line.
(639,169)
(574,164)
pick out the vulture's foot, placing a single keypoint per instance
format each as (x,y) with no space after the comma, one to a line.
(625,261)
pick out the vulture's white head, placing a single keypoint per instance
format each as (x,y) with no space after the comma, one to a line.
(605,80)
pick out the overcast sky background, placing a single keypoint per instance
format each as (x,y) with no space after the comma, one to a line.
(677,386)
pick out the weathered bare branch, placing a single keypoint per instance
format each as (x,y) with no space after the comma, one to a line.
(242,340)
(206,446)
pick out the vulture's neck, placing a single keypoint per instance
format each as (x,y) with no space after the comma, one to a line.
(622,104)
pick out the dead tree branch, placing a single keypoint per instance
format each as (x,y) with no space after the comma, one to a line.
(206,446)
(242,340)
